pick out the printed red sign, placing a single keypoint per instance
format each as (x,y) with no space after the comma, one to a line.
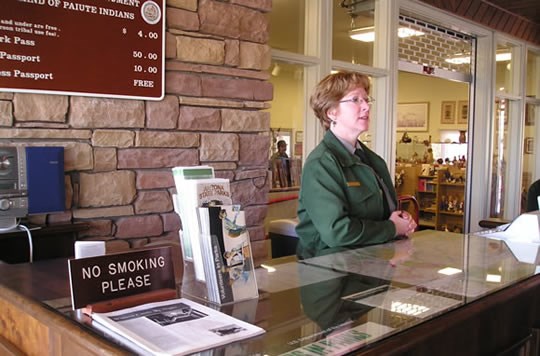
(110,48)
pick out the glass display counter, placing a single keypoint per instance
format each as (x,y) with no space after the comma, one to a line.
(436,293)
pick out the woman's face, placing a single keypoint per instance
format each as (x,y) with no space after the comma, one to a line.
(351,115)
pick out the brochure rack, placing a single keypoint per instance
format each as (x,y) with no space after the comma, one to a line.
(199,290)
(216,248)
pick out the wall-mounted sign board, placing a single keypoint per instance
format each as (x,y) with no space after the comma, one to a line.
(110,48)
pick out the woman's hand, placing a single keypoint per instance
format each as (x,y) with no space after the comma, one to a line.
(404,223)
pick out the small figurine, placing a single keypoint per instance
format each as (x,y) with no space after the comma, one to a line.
(451,204)
(405,138)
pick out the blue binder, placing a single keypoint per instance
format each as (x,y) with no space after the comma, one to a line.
(45,175)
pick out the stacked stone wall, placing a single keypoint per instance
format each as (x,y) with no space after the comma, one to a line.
(119,152)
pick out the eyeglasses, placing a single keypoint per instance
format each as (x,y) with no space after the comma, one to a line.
(359,101)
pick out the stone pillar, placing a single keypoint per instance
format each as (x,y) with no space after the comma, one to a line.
(119,153)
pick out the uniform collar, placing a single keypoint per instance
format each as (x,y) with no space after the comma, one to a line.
(343,151)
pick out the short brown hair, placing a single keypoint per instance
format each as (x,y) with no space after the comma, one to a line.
(331,89)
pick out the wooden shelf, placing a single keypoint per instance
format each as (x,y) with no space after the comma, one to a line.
(450,213)
(426,223)
(50,241)
(441,190)
(454,191)
(431,191)
(452,184)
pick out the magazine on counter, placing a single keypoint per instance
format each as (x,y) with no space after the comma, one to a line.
(227,251)
(173,327)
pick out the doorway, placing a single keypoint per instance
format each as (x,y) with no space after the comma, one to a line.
(433,106)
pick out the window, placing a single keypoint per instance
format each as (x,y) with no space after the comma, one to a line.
(353,31)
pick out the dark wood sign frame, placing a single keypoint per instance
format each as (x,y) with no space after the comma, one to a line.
(83,47)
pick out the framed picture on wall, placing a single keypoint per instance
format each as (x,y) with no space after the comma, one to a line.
(529,145)
(448,112)
(413,116)
(463,112)
(299,136)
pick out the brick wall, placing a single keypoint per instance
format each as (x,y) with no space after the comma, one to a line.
(119,153)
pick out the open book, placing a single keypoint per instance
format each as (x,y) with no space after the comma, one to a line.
(173,327)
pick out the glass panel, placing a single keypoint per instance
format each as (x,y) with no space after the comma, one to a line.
(533,75)
(447,113)
(432,158)
(500,157)
(353,18)
(287,20)
(287,120)
(532,118)
(505,69)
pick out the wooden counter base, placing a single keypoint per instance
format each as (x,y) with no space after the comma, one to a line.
(503,321)
(27,327)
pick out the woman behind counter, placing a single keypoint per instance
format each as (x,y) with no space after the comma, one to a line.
(347,198)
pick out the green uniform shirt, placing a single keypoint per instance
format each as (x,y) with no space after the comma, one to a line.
(340,202)
(532,196)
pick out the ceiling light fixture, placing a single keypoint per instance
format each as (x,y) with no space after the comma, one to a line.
(367,34)
(466,59)
(364,34)
(503,57)
(404,32)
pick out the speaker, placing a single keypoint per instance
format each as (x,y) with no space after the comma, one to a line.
(45,179)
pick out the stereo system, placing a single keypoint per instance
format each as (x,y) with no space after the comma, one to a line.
(31,182)
(13,182)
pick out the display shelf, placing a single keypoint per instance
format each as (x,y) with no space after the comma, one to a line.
(441,201)
(450,213)
(452,184)
(451,198)
(440,194)
(427,199)
(426,223)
